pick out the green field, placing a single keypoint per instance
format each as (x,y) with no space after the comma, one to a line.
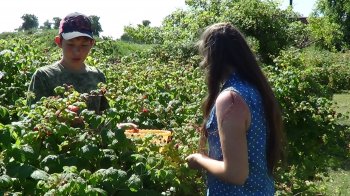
(154,79)
(343,106)
(338,181)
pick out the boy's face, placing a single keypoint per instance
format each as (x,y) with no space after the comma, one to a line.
(75,50)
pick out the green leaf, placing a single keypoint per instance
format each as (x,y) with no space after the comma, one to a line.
(134,183)
(161,174)
(39,175)
(85,173)
(95,121)
(16,154)
(87,114)
(107,135)
(95,191)
(4,115)
(59,90)
(63,129)
(5,182)
(20,171)
(63,145)
(108,158)
(31,137)
(28,153)
(90,151)
(113,178)
(70,160)
(138,157)
(5,139)
(51,164)
(120,135)
(82,137)
(70,169)
(96,178)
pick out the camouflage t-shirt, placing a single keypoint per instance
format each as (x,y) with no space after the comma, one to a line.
(47,78)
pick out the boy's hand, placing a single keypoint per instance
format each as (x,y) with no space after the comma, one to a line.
(126,125)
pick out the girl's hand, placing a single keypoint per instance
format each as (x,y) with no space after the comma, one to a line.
(192,160)
(126,125)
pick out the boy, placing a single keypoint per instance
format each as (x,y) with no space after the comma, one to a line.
(76,40)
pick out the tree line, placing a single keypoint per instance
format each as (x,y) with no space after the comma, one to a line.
(334,15)
(30,22)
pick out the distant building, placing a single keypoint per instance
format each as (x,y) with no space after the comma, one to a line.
(303,20)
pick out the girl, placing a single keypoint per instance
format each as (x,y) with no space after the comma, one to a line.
(243,123)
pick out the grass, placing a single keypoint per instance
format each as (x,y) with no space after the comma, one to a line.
(337,182)
(342,105)
(126,48)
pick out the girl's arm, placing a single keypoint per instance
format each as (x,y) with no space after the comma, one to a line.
(233,118)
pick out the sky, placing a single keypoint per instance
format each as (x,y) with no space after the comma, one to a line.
(114,14)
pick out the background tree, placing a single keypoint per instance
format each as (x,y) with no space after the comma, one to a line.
(142,34)
(326,34)
(56,22)
(270,28)
(47,25)
(146,23)
(30,21)
(125,37)
(96,26)
(336,12)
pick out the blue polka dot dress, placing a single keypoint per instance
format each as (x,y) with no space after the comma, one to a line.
(259,182)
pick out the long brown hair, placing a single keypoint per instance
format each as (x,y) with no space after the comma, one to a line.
(224,50)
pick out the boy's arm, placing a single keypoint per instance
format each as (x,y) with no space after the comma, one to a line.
(38,87)
(103,76)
